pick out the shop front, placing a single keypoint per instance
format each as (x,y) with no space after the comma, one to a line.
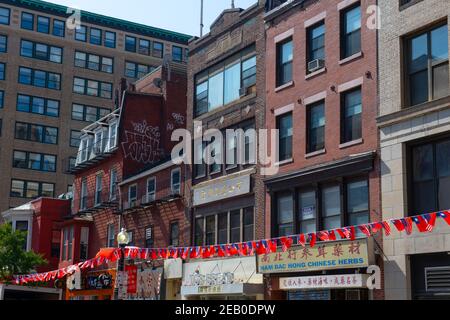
(328,271)
(93,285)
(222,279)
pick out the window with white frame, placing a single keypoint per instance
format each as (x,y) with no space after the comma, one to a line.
(84,146)
(98,141)
(132,195)
(175,181)
(151,189)
(113,185)
(98,189)
(112,134)
(111,236)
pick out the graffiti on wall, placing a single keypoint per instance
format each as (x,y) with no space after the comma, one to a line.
(142,144)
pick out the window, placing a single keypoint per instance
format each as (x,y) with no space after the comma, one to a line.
(285,214)
(151,189)
(199,165)
(112,134)
(37,133)
(158,49)
(430,176)
(111,236)
(113,185)
(56,243)
(130,236)
(2,71)
(174,234)
(175,181)
(177,53)
(225,82)
(210,230)
(39,78)
(358,203)
(92,88)
(307,211)
(316,44)
(81,33)
(43,24)
(75,138)
(23,227)
(87,113)
(37,105)
(331,203)
(222,228)
(98,189)
(248,224)
(84,243)
(285,56)
(58,28)
(316,127)
(427,66)
(110,39)
(144,47)
(3,43)
(350,31)
(130,44)
(93,62)
(351,116)
(132,194)
(2,99)
(284,125)
(136,71)
(4,15)
(69,244)
(199,231)
(34,161)
(96,36)
(149,242)
(83,194)
(235,226)
(27,21)
(31,190)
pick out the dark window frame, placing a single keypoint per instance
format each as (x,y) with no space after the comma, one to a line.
(25,188)
(47,19)
(4,36)
(309,146)
(47,78)
(344,35)
(23,25)
(344,128)
(28,132)
(280,65)
(30,105)
(27,161)
(9,16)
(54,28)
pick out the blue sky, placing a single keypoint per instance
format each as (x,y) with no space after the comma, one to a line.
(177,15)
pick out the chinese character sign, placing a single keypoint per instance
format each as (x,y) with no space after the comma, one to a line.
(327,256)
(132,279)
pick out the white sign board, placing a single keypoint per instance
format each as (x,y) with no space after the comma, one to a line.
(339,281)
(223,189)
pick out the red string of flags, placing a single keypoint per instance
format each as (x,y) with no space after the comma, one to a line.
(424,223)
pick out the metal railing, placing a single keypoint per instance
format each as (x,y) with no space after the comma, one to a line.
(99,200)
(94,150)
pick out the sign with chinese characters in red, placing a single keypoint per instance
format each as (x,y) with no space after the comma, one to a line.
(323,256)
(339,281)
(132,279)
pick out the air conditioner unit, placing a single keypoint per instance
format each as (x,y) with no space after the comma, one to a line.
(315,65)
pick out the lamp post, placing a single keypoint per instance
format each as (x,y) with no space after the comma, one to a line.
(122,239)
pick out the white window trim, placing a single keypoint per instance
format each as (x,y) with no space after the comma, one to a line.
(84,154)
(98,188)
(29,219)
(171,181)
(147,193)
(112,144)
(112,196)
(101,131)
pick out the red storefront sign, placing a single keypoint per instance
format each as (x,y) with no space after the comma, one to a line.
(132,279)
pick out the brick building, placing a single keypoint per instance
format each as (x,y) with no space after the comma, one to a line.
(226,90)
(55,80)
(414,123)
(321,84)
(124,177)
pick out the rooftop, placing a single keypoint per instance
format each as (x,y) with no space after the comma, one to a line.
(106,21)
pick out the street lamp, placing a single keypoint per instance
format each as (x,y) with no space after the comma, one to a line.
(122,239)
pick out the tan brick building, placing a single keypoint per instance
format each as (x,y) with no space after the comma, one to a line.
(55,80)
(414,125)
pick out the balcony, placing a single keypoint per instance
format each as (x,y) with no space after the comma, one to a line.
(100,200)
(92,154)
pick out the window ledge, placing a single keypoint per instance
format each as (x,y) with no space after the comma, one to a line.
(281,163)
(351,143)
(285,86)
(351,58)
(315,73)
(315,153)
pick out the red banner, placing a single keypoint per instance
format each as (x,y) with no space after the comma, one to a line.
(132,279)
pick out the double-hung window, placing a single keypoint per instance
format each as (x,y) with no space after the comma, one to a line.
(316,47)
(112,135)
(113,185)
(98,189)
(58,28)
(427,76)
(95,36)
(316,127)
(3,43)
(43,24)
(151,189)
(158,49)
(285,56)
(2,71)
(351,111)
(175,181)
(27,21)
(81,33)
(4,15)
(83,194)
(350,31)
(177,54)
(111,236)
(284,125)
(132,195)
(110,39)
(144,47)
(130,44)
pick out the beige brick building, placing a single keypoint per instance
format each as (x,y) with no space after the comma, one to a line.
(414,125)
(55,80)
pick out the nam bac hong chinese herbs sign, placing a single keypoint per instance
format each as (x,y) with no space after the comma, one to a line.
(326,256)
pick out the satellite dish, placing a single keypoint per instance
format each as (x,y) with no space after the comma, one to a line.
(74,281)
